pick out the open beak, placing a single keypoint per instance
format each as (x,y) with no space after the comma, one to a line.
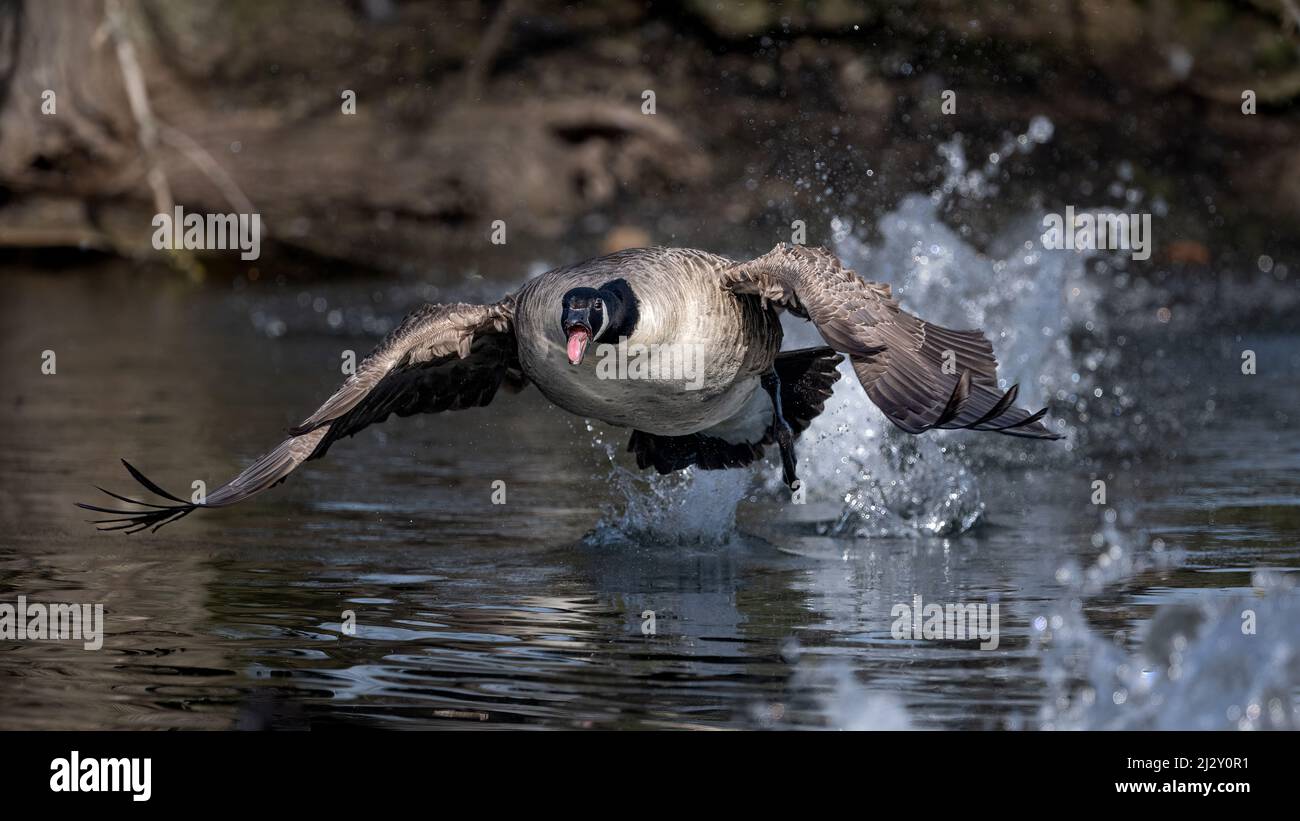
(579,337)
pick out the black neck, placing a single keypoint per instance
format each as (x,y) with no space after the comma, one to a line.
(621,304)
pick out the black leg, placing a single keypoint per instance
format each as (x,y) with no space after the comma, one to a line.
(781,429)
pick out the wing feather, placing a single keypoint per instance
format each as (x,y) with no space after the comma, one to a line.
(922,375)
(441,357)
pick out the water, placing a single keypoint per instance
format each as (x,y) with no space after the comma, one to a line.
(765,613)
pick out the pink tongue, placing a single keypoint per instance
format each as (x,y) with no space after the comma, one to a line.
(577,341)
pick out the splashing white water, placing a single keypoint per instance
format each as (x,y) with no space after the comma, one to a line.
(687,507)
(1025,298)
(851,706)
(1215,664)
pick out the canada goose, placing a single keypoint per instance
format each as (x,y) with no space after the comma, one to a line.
(693,307)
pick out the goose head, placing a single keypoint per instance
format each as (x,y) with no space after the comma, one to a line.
(601,314)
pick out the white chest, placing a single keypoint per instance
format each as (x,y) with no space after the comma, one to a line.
(691,361)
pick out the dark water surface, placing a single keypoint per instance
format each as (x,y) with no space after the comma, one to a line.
(530,613)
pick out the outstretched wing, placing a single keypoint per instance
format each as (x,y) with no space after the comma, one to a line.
(922,375)
(442,357)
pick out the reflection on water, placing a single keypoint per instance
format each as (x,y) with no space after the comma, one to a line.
(381,586)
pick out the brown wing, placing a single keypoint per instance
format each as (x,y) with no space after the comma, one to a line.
(922,375)
(442,357)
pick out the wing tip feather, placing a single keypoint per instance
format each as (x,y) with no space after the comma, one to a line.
(134,521)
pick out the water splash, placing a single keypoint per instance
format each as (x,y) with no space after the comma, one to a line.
(890,483)
(1215,664)
(683,508)
(841,701)
(1027,299)
(851,706)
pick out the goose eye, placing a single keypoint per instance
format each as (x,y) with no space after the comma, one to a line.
(599,304)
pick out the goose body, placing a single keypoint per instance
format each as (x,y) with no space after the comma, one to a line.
(720,391)
(683,317)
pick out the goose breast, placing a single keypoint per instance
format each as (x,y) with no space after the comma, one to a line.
(692,361)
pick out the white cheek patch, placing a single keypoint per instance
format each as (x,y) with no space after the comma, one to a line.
(604,323)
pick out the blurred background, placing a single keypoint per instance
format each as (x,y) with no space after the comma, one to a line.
(532,113)
(381,140)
